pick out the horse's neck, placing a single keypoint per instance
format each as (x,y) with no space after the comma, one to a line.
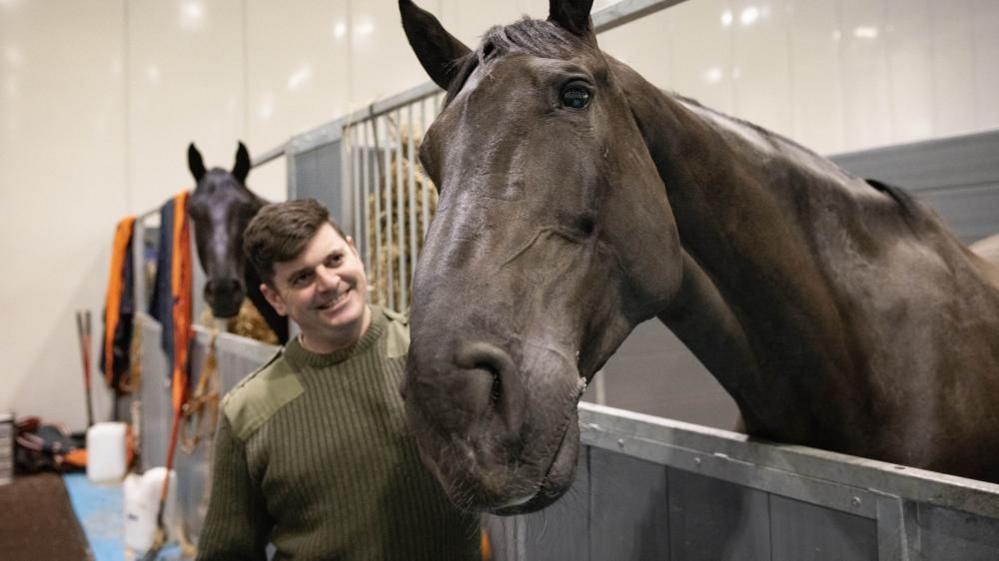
(755,306)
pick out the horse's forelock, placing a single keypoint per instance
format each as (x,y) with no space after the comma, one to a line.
(530,36)
(535,37)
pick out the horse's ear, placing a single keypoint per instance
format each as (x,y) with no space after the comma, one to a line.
(438,50)
(572,15)
(195,163)
(242,166)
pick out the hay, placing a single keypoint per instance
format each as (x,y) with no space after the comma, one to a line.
(385,274)
(247,323)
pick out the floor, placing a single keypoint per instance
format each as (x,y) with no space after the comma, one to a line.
(100,510)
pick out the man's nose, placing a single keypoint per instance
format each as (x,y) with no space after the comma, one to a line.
(328,278)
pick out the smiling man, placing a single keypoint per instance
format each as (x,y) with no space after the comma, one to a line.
(311,452)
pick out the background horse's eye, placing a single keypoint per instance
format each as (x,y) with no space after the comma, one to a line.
(575,96)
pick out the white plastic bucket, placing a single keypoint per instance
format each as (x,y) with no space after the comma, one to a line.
(142,503)
(106,452)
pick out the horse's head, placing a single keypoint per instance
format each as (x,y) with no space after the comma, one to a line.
(553,238)
(220,208)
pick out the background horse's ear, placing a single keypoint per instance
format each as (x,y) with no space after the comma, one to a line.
(195,163)
(571,15)
(242,166)
(437,49)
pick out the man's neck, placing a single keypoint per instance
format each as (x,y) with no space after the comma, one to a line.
(325,346)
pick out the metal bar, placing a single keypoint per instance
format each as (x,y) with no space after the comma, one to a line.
(425,187)
(386,190)
(385,106)
(727,455)
(365,155)
(355,184)
(377,224)
(628,11)
(411,183)
(147,214)
(139,264)
(270,155)
(401,202)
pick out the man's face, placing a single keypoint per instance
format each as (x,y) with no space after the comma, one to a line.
(324,290)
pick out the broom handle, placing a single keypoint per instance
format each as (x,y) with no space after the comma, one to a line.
(81,330)
(89,377)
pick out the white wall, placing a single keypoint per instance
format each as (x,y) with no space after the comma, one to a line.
(99,99)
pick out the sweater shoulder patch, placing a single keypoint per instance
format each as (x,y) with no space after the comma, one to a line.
(260,395)
(397,334)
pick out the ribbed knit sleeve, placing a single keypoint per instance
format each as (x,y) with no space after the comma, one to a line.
(237,526)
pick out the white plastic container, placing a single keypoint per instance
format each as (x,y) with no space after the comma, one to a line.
(142,503)
(106,452)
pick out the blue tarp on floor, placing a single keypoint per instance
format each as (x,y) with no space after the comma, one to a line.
(100,510)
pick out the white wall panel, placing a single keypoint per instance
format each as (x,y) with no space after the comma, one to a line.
(381,61)
(816,79)
(298,76)
(985,16)
(953,67)
(62,187)
(644,45)
(186,82)
(761,63)
(701,48)
(907,26)
(866,84)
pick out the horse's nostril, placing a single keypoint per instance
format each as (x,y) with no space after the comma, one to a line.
(506,394)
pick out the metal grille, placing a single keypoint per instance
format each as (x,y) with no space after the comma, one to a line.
(393,200)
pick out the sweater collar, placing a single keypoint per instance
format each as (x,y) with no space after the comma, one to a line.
(300,356)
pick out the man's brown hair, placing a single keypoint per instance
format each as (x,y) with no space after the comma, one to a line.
(280,231)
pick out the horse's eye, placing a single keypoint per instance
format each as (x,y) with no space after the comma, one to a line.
(576,96)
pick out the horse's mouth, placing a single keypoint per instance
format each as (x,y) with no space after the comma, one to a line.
(555,481)
(225,311)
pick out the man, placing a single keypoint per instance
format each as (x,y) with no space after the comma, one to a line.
(311,452)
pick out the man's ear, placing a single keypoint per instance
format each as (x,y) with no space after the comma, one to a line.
(274,299)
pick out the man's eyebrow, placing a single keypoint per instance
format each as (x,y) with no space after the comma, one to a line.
(297,272)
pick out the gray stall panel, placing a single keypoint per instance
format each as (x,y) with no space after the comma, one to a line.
(154,396)
(629,508)
(805,532)
(946,535)
(317,176)
(236,357)
(559,532)
(714,520)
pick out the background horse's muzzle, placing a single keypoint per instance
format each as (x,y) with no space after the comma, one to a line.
(224,296)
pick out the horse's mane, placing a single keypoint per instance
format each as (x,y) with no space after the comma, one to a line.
(906,202)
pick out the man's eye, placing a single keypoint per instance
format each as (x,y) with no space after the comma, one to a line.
(334,260)
(300,280)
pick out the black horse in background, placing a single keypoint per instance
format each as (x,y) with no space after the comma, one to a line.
(220,208)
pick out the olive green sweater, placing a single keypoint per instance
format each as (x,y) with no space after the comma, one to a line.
(312,455)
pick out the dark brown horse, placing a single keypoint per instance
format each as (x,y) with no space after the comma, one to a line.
(578,200)
(220,208)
